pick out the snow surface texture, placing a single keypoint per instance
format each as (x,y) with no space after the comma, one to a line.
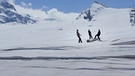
(50,48)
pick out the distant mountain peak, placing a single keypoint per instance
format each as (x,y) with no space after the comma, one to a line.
(89,13)
(98,5)
(7,5)
(8,14)
(96,2)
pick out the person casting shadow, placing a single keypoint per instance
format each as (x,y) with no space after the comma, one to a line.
(98,35)
(78,35)
(90,35)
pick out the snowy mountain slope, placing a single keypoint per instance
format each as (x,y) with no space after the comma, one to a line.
(7,6)
(114,25)
(89,13)
(50,47)
(9,14)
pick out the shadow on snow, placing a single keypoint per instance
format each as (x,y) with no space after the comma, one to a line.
(68,58)
(98,69)
(43,48)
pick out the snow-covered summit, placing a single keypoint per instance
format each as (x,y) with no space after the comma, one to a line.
(6,5)
(96,6)
(9,14)
(89,13)
(99,5)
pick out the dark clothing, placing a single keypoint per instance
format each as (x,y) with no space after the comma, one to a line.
(90,36)
(97,35)
(80,40)
(78,35)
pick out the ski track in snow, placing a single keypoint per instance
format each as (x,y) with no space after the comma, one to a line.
(98,69)
(125,43)
(69,58)
(42,48)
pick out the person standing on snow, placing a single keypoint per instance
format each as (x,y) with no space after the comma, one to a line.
(78,35)
(97,35)
(89,32)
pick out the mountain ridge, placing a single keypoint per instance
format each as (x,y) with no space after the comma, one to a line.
(8,14)
(90,12)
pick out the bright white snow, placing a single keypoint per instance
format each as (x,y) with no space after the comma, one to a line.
(50,48)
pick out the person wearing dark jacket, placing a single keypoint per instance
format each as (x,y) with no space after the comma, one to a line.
(90,35)
(97,35)
(78,35)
